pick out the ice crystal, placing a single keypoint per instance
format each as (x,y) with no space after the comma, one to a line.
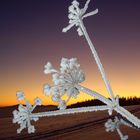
(20,96)
(49,68)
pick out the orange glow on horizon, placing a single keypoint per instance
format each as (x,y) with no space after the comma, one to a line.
(122,92)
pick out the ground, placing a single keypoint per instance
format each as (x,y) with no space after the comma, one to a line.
(80,126)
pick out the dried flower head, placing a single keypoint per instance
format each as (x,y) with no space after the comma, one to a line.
(49,68)
(23,116)
(65,81)
(20,95)
(76,15)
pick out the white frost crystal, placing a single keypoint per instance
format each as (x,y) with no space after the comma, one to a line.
(20,95)
(49,68)
(31,129)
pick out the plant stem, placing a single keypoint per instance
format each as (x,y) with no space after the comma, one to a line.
(70,111)
(98,62)
(120,133)
(95,94)
(133,119)
(130,117)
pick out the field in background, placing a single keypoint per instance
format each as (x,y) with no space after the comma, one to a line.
(81,126)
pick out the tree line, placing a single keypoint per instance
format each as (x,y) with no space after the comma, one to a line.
(123,101)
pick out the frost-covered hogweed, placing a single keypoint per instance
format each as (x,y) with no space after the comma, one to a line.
(67,84)
(65,81)
(22,116)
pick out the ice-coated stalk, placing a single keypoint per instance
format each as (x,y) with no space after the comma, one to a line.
(130,117)
(70,111)
(133,119)
(121,135)
(76,16)
(94,94)
(97,59)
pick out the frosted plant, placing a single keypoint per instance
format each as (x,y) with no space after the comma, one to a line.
(112,125)
(22,116)
(66,83)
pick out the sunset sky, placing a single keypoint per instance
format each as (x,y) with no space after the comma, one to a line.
(31,35)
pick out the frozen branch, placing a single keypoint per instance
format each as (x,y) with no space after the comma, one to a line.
(70,111)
